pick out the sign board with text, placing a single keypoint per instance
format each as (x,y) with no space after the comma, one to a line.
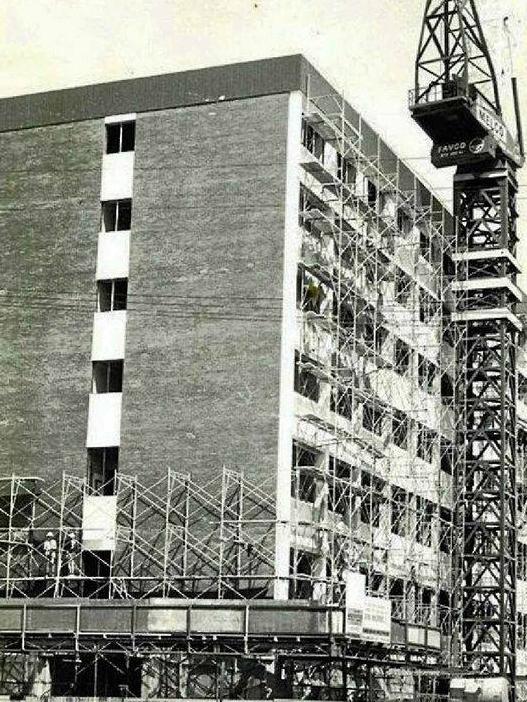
(367,618)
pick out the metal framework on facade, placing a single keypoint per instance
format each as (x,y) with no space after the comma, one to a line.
(375,251)
(173,538)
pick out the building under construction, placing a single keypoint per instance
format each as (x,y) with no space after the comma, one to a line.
(230,404)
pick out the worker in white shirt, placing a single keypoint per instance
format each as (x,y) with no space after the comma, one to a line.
(50,553)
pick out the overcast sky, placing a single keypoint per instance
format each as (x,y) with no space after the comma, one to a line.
(365,47)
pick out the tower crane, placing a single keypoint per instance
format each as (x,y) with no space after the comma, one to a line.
(456,101)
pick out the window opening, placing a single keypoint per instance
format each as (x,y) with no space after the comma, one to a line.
(103,465)
(107,376)
(307,382)
(116,215)
(120,136)
(112,295)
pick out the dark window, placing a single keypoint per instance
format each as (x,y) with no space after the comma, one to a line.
(447,388)
(303,482)
(404,221)
(425,246)
(313,141)
(522,387)
(522,560)
(372,419)
(341,402)
(425,443)
(302,568)
(116,215)
(120,136)
(426,374)
(402,357)
(102,469)
(371,193)
(310,209)
(427,306)
(449,268)
(400,426)
(447,456)
(445,530)
(309,292)
(521,635)
(107,376)
(425,513)
(339,488)
(346,170)
(397,596)
(345,315)
(399,521)
(306,380)
(402,287)
(112,295)
(372,498)
(15,510)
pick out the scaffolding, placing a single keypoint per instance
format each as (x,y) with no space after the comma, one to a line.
(374,301)
(169,538)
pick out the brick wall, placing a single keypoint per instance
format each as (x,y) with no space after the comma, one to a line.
(201,378)
(49,203)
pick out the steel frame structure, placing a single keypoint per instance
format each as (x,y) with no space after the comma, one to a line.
(173,538)
(454,72)
(453,56)
(486,429)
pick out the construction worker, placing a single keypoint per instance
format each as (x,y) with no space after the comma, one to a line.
(50,553)
(72,547)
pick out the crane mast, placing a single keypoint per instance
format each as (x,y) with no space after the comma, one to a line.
(456,102)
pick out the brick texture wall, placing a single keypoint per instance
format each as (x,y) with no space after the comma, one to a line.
(201,375)
(49,203)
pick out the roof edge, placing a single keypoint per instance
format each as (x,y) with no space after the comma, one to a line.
(268,76)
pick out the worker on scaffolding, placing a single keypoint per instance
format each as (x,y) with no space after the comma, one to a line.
(72,549)
(50,553)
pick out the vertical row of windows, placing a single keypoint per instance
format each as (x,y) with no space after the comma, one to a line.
(112,296)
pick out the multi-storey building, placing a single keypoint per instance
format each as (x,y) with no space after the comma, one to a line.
(227,400)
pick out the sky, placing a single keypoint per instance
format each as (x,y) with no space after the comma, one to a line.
(366,48)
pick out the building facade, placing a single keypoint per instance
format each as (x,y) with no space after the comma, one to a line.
(228,371)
